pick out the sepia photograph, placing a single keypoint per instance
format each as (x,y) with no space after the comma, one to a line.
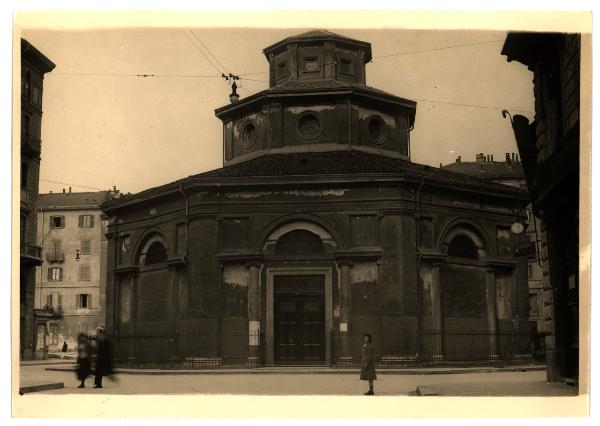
(348,209)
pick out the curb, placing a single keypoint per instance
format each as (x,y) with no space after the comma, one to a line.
(33,364)
(405,372)
(39,388)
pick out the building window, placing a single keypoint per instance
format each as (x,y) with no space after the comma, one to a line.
(346,66)
(530,271)
(463,246)
(312,64)
(248,136)
(36,95)
(23,228)
(156,253)
(53,333)
(86,221)
(281,69)
(55,274)
(83,301)
(377,130)
(55,253)
(84,272)
(57,221)
(27,86)
(86,247)
(534,309)
(309,125)
(24,175)
(25,125)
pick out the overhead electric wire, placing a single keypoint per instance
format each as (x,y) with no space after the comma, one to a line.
(411,52)
(243,88)
(253,73)
(208,50)
(135,75)
(251,79)
(202,53)
(72,184)
(472,105)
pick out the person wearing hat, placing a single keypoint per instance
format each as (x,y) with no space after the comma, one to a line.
(103,357)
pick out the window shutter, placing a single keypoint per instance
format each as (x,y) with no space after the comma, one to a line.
(60,300)
(89,304)
(49,273)
(91,221)
(77,301)
(81,221)
(49,299)
(60,274)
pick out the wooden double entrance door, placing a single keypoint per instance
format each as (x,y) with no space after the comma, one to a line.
(299,319)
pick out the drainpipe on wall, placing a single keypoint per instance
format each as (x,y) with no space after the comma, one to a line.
(410,129)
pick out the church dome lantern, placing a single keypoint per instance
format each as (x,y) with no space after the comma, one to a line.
(317,100)
(318,54)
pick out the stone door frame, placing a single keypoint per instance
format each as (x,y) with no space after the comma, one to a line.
(326,272)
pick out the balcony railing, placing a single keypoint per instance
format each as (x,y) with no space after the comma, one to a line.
(57,256)
(31,251)
(30,144)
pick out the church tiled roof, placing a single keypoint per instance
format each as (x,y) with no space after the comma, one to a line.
(320,34)
(491,170)
(327,84)
(351,163)
(72,199)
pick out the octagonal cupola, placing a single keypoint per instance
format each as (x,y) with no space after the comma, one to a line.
(317,54)
(317,100)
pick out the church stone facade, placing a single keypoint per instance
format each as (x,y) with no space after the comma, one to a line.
(317,229)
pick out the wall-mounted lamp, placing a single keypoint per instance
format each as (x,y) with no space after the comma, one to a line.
(77,255)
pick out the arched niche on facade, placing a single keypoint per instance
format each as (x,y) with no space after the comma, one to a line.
(282,234)
(152,295)
(465,239)
(463,284)
(299,238)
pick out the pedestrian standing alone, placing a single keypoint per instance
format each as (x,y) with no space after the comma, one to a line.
(103,357)
(83,358)
(367,363)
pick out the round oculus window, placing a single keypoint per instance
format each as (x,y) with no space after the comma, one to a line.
(377,130)
(309,125)
(248,136)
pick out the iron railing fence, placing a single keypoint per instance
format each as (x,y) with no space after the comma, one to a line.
(188,351)
(447,348)
(428,348)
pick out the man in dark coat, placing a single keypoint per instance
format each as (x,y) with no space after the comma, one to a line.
(103,357)
(83,358)
(367,363)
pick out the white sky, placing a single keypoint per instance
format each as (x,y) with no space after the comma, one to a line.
(137,133)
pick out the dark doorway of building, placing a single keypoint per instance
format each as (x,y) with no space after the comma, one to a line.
(299,328)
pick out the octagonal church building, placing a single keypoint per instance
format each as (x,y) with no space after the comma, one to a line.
(317,229)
